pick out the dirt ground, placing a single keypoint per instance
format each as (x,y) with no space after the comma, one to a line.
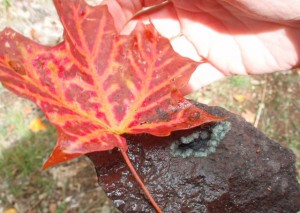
(270,102)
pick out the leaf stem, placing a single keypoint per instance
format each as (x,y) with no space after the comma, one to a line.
(138,179)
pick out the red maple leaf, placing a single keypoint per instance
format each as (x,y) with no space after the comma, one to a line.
(97,85)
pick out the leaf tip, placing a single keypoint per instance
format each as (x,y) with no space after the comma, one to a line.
(58,156)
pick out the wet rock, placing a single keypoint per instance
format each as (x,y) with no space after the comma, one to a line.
(221,167)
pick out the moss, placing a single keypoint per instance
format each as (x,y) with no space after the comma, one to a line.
(200,143)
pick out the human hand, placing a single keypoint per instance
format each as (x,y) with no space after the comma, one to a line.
(231,37)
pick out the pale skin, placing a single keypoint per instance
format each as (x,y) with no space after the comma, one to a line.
(230,37)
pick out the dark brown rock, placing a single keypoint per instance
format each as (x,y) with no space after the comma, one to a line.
(246,172)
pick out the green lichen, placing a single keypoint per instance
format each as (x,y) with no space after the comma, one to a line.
(200,143)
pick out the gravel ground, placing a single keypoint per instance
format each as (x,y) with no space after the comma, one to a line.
(36,19)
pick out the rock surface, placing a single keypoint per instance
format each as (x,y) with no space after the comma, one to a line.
(242,172)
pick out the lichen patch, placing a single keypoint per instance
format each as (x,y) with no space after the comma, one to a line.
(200,143)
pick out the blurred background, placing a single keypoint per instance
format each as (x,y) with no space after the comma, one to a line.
(270,102)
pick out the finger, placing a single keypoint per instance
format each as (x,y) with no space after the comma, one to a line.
(163,16)
(123,10)
(204,74)
(284,12)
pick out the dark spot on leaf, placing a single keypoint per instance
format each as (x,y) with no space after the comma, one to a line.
(149,35)
(83,76)
(17,67)
(194,116)
(162,115)
(81,13)
(143,122)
